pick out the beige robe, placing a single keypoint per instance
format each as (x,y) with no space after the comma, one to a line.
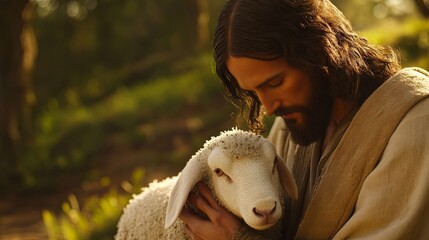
(372,180)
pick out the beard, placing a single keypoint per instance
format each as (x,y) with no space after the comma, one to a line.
(315,115)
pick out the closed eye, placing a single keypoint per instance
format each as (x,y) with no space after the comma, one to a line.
(275,82)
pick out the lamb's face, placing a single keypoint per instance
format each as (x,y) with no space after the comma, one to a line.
(248,185)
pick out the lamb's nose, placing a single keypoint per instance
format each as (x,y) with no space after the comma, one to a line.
(266,210)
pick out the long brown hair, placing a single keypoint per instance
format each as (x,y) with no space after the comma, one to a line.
(312,35)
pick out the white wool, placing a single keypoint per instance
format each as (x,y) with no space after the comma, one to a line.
(145,215)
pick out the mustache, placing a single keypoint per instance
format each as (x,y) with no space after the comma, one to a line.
(283,111)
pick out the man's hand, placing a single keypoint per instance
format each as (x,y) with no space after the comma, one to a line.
(221,223)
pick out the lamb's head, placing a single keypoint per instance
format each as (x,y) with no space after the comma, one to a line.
(246,179)
(246,175)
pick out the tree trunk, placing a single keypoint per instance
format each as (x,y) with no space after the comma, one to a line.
(203,18)
(17,55)
(199,19)
(423,7)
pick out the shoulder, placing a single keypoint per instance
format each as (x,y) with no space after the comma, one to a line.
(419,111)
(413,127)
(418,115)
(412,72)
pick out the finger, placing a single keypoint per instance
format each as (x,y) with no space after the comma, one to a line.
(207,194)
(187,216)
(190,218)
(200,203)
(213,211)
(193,223)
(189,232)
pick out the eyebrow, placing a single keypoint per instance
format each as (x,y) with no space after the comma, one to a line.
(269,79)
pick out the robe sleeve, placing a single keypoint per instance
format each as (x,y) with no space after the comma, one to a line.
(394,200)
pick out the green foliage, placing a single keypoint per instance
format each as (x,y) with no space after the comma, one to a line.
(107,34)
(366,13)
(66,138)
(411,38)
(96,218)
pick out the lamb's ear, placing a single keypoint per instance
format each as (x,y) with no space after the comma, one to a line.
(189,176)
(286,178)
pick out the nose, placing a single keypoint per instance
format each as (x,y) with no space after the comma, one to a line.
(268,102)
(265,209)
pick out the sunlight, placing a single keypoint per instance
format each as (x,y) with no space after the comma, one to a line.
(380,11)
(45,7)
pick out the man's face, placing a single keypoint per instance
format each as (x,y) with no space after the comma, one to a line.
(304,103)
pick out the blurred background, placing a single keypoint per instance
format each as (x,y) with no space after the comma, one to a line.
(100,97)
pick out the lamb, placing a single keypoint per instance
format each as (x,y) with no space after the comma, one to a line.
(244,173)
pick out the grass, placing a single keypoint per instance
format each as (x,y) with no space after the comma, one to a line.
(96,218)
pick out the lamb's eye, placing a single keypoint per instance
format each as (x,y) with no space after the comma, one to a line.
(218,172)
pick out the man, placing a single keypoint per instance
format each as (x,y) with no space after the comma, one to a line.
(351,125)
